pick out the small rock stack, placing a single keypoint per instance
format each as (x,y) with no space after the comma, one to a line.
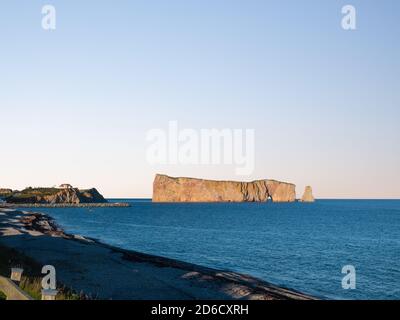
(307,196)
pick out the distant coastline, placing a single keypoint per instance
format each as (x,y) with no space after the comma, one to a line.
(69,205)
(64,194)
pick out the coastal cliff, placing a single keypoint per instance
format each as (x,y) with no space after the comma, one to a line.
(5,192)
(55,196)
(169,189)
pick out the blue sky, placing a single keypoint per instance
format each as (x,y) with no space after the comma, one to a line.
(76,103)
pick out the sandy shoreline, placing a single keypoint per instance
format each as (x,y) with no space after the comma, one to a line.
(107,272)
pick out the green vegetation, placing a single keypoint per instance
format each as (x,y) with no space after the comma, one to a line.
(5,193)
(34,192)
(2,296)
(32,277)
(53,195)
(30,195)
(33,287)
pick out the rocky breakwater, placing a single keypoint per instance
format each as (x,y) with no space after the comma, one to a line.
(169,189)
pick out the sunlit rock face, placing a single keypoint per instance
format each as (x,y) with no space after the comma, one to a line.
(307,196)
(169,189)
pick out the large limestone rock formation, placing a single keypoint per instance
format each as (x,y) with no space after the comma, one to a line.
(307,196)
(169,189)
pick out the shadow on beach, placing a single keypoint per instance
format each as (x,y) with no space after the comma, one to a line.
(107,272)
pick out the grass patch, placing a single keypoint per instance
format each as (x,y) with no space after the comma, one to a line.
(31,281)
(2,296)
(33,287)
(39,191)
(29,193)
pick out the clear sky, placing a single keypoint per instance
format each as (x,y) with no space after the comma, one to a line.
(76,103)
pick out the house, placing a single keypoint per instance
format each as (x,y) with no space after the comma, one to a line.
(65,186)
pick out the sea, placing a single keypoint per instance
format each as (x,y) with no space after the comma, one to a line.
(331,249)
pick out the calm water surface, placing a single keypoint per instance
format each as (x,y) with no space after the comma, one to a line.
(301,246)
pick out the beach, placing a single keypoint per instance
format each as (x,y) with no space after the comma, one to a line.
(106,272)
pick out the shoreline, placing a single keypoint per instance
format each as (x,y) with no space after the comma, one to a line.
(68,205)
(109,272)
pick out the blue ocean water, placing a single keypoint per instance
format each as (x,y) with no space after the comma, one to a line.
(296,245)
